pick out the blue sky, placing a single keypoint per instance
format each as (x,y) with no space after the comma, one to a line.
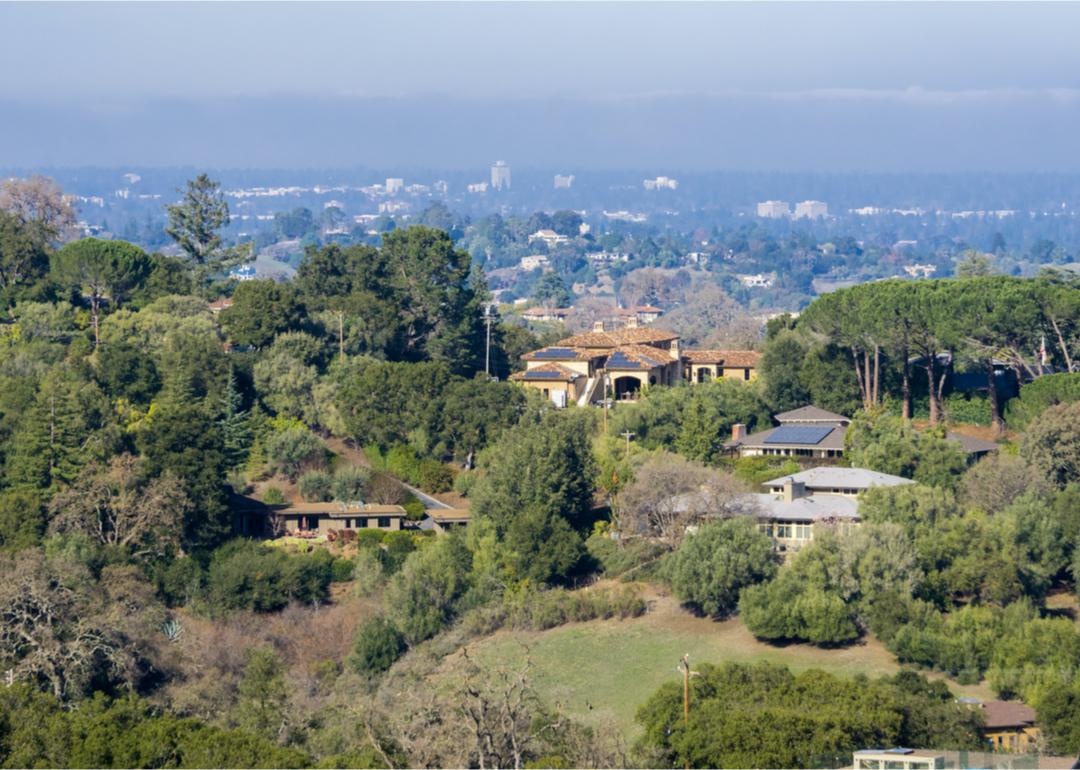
(105,67)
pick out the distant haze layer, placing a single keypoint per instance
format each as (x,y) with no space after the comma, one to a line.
(910,130)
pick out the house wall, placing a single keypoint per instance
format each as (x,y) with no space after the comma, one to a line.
(741,373)
(828,454)
(323,523)
(1017,740)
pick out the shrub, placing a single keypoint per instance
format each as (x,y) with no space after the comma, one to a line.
(968,409)
(244,574)
(292,450)
(350,483)
(378,645)
(367,571)
(414,509)
(464,483)
(342,570)
(435,477)
(369,538)
(315,486)
(618,557)
(1039,395)
(403,462)
(273,496)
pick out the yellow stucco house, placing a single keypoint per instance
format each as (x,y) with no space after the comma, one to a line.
(624,362)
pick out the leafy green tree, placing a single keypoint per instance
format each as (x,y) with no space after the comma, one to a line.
(101,270)
(1051,444)
(421,597)
(551,291)
(187,442)
(708,414)
(260,311)
(378,645)
(537,490)
(24,258)
(22,519)
(1039,395)
(1058,712)
(315,486)
(765,716)
(781,370)
(381,403)
(293,449)
(892,445)
(350,483)
(125,371)
(711,567)
(472,414)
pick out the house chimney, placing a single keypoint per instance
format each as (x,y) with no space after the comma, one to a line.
(675,350)
(793,489)
(598,326)
(738,431)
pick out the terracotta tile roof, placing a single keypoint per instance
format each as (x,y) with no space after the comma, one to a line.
(552,372)
(735,358)
(559,353)
(636,357)
(1000,713)
(618,337)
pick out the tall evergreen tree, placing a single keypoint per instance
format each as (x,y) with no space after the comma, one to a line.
(235,426)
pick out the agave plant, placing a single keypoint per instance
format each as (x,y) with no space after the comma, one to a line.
(173,629)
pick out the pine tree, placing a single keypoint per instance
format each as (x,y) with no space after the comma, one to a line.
(50,445)
(235,426)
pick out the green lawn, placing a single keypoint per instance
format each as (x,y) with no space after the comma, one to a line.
(603,670)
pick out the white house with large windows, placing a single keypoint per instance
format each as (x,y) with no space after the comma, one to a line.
(826,496)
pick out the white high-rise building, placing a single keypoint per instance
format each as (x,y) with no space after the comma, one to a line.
(661,183)
(394,185)
(773,209)
(500,175)
(564,181)
(811,210)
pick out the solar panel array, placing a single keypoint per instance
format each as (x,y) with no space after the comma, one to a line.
(561,353)
(535,375)
(799,434)
(619,360)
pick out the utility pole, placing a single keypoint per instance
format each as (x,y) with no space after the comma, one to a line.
(685,666)
(627,435)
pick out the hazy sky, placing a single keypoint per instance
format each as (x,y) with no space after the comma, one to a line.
(104,68)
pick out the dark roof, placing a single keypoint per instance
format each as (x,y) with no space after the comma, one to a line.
(1000,713)
(553,371)
(636,357)
(972,445)
(811,414)
(833,439)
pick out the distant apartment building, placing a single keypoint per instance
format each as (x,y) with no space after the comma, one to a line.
(477,187)
(603,257)
(500,175)
(661,183)
(394,185)
(811,210)
(441,186)
(393,207)
(773,210)
(564,181)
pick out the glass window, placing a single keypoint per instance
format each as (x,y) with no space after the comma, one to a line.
(384,522)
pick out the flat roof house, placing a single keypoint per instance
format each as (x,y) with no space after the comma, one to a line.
(445,519)
(794,504)
(257,518)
